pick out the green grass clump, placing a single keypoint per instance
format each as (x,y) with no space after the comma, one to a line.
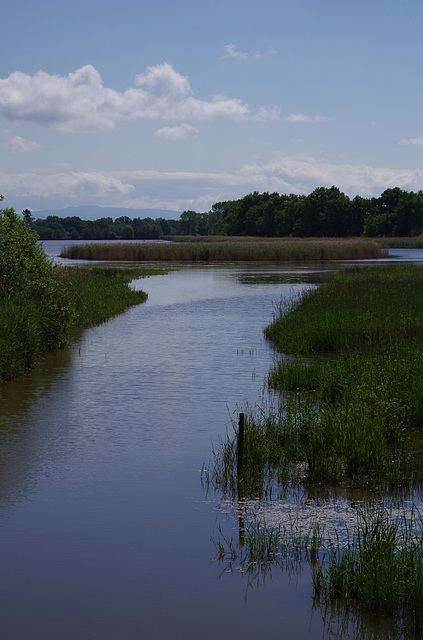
(380,568)
(359,308)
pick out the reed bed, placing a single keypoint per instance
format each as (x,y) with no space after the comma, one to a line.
(239,249)
(415,242)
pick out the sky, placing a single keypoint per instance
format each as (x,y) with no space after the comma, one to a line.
(178,105)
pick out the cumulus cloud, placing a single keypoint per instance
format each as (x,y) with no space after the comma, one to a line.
(21,145)
(80,102)
(181,190)
(176,134)
(303,118)
(230,51)
(415,141)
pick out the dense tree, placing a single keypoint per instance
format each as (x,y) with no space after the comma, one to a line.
(27,215)
(73,228)
(190,223)
(324,212)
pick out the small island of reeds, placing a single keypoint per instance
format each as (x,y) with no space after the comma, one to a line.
(212,249)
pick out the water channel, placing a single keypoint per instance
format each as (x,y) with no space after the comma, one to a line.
(105,528)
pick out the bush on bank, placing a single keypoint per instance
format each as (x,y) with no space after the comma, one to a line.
(40,302)
(35,311)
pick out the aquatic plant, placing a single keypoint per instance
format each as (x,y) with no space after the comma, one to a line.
(380,567)
(231,249)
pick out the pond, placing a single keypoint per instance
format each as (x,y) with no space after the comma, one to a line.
(105,528)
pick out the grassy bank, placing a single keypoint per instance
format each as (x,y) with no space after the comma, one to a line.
(352,416)
(33,321)
(232,249)
(351,413)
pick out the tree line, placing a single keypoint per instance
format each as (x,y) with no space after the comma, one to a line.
(326,212)
(125,228)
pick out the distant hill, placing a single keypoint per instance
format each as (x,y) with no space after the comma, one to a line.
(94,212)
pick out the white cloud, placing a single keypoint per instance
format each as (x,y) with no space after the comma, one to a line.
(181,190)
(264,114)
(303,118)
(182,132)
(71,184)
(416,141)
(230,51)
(79,102)
(21,145)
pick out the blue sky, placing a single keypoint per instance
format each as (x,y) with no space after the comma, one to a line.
(178,105)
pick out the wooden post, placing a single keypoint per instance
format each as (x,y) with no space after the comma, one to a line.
(240,444)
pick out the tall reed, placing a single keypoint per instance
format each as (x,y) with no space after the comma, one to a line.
(231,250)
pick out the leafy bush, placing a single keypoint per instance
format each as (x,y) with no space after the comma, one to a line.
(35,311)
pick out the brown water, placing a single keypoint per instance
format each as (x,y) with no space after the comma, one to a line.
(105,529)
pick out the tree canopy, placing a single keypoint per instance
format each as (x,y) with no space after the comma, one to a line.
(325,212)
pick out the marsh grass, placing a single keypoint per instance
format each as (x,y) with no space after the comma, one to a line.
(354,413)
(415,242)
(261,548)
(38,321)
(359,308)
(99,293)
(352,416)
(380,567)
(231,249)
(377,566)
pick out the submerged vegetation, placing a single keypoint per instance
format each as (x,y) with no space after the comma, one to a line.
(350,415)
(224,249)
(40,303)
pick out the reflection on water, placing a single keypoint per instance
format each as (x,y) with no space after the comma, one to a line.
(104,526)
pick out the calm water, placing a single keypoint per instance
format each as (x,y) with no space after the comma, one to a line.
(105,530)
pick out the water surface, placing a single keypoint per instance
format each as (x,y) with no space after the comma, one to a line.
(105,530)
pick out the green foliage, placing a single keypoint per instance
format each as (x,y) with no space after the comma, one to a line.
(353,414)
(73,228)
(361,307)
(326,212)
(23,263)
(99,293)
(35,313)
(369,394)
(40,303)
(381,568)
